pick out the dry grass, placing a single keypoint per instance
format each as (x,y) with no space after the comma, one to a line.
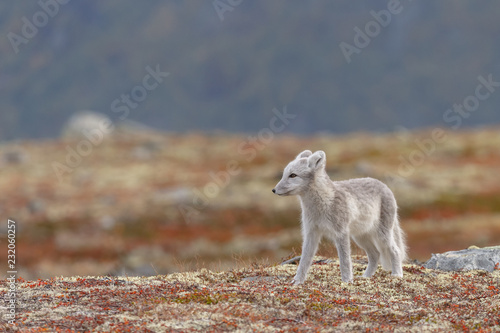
(258,298)
(122,203)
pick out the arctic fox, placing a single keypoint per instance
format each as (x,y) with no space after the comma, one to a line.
(364,209)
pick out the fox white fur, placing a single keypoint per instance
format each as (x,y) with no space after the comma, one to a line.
(363,209)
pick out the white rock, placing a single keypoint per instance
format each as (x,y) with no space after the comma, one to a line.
(85,122)
(466,260)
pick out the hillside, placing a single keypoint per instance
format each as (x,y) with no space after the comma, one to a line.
(227,73)
(145,203)
(258,298)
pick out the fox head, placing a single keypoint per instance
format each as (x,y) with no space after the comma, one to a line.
(300,173)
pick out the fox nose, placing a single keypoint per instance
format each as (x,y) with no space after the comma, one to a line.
(274,190)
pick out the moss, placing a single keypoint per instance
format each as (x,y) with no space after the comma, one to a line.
(206,301)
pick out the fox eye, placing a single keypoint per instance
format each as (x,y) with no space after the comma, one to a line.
(292,175)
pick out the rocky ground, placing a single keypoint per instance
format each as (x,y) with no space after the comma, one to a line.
(144,203)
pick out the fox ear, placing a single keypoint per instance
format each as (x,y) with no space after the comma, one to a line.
(317,160)
(305,153)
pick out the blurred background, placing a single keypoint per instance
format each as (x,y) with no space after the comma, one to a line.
(146,138)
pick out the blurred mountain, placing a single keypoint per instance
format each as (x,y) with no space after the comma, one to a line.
(230,63)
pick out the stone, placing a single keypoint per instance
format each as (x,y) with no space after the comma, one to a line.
(14,157)
(84,124)
(296,260)
(472,258)
(292,261)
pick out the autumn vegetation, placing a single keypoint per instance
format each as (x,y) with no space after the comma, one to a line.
(140,205)
(259,298)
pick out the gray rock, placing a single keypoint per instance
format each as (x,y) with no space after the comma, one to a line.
(84,122)
(95,126)
(293,261)
(296,260)
(14,157)
(465,260)
(36,206)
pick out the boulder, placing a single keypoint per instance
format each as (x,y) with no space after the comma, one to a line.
(85,122)
(88,124)
(465,260)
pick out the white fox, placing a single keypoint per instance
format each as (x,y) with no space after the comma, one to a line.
(364,209)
